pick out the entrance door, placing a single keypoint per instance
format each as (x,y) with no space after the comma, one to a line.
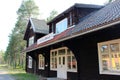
(62,67)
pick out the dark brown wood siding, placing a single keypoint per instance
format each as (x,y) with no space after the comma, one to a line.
(86,52)
(31,33)
(74,17)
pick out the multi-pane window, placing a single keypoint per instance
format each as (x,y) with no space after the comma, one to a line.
(109,57)
(31,40)
(53,60)
(71,61)
(29,62)
(63,56)
(41,61)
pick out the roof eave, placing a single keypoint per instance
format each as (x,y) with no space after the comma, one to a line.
(73,36)
(24,38)
(76,5)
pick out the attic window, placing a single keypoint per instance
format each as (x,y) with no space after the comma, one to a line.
(31,40)
(30,27)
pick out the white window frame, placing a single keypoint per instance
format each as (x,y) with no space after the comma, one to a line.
(29,62)
(41,62)
(31,40)
(52,67)
(61,25)
(111,71)
(71,55)
(66,56)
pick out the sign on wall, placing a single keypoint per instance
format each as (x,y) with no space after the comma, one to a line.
(45,38)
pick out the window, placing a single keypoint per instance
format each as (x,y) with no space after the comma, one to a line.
(31,40)
(109,57)
(29,62)
(71,61)
(63,56)
(71,19)
(61,26)
(41,61)
(53,60)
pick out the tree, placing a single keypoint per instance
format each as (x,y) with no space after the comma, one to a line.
(52,15)
(110,0)
(1,57)
(28,9)
(16,43)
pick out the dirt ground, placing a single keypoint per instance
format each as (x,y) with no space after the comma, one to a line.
(5,76)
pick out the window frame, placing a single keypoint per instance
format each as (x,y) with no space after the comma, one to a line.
(31,40)
(52,61)
(41,64)
(66,56)
(110,70)
(60,24)
(71,55)
(30,62)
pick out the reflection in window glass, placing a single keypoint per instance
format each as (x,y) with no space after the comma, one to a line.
(61,52)
(105,64)
(63,60)
(61,26)
(73,62)
(104,48)
(59,60)
(31,40)
(114,47)
(69,62)
(29,62)
(41,61)
(110,60)
(53,60)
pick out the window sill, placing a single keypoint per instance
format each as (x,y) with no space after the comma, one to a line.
(110,72)
(71,70)
(41,68)
(53,69)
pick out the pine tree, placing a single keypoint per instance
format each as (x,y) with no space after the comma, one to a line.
(16,43)
(52,15)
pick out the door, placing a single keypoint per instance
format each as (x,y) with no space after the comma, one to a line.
(62,67)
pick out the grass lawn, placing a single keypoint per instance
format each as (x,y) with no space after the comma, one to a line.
(19,74)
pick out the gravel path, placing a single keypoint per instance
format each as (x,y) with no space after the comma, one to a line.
(5,76)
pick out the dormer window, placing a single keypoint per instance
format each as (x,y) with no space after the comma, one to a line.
(61,26)
(70,19)
(30,27)
(31,40)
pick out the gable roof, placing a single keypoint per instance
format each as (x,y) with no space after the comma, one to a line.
(105,17)
(38,26)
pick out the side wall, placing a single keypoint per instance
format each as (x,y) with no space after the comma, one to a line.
(86,52)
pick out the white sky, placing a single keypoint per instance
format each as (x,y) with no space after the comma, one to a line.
(8,14)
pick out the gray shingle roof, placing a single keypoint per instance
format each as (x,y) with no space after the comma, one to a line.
(39,26)
(78,6)
(109,13)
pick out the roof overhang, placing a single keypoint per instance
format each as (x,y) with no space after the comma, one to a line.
(99,27)
(76,5)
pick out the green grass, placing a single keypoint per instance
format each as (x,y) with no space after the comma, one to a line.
(24,76)
(19,74)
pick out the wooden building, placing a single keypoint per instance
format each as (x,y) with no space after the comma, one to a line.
(82,43)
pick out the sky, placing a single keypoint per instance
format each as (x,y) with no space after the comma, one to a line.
(8,14)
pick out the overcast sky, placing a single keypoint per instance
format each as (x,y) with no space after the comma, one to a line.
(9,7)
